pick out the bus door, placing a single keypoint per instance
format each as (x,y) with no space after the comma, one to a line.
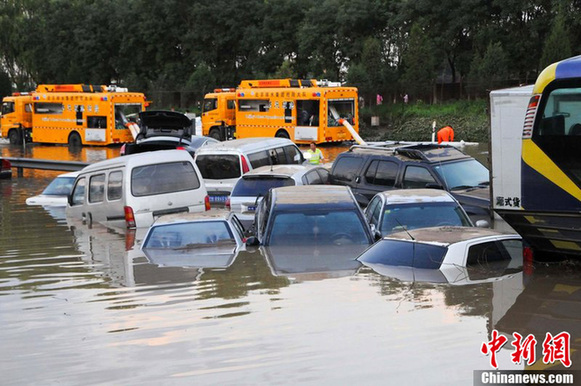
(307,119)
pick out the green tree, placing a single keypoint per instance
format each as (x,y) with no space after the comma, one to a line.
(488,72)
(419,63)
(558,45)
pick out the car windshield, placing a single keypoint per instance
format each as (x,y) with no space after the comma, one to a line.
(60,186)
(463,174)
(259,186)
(411,216)
(340,227)
(218,167)
(189,235)
(404,254)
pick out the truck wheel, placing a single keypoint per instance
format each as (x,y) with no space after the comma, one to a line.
(215,133)
(282,134)
(14,137)
(75,140)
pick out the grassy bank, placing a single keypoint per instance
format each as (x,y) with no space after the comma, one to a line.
(413,122)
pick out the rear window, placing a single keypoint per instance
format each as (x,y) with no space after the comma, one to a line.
(411,216)
(259,186)
(188,235)
(169,177)
(318,228)
(404,254)
(60,186)
(219,167)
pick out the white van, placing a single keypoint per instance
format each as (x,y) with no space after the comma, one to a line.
(222,164)
(132,191)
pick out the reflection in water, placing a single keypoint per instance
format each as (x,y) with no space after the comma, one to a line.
(85,305)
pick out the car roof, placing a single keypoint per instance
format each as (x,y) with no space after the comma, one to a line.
(334,196)
(277,170)
(446,235)
(68,175)
(408,196)
(423,152)
(246,144)
(211,215)
(161,156)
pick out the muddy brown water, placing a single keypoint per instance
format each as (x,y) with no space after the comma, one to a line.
(86,306)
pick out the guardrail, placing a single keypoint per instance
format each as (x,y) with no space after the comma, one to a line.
(44,164)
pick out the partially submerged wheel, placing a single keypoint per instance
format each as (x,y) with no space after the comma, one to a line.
(75,140)
(15,137)
(215,133)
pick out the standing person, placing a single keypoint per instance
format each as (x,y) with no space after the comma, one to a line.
(446,134)
(316,154)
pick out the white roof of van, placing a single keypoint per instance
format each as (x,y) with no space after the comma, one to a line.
(408,196)
(160,156)
(244,144)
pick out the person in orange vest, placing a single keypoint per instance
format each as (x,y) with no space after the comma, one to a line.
(446,134)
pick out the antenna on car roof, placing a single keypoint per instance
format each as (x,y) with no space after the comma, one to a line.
(404,228)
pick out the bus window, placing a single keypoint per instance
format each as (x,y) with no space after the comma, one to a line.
(258,105)
(340,108)
(48,108)
(307,113)
(123,112)
(561,114)
(7,107)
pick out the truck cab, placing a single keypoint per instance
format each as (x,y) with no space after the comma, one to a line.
(17,117)
(219,114)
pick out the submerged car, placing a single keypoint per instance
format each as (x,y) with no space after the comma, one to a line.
(310,215)
(372,169)
(165,130)
(56,193)
(5,169)
(444,248)
(254,185)
(209,239)
(399,209)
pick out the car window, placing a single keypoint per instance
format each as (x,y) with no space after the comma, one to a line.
(386,173)
(417,177)
(404,254)
(345,168)
(258,159)
(262,216)
(189,234)
(114,185)
(238,227)
(255,186)
(341,227)
(324,173)
(375,214)
(312,178)
(218,167)
(60,186)
(372,207)
(463,174)
(168,177)
(484,253)
(97,188)
(280,156)
(293,154)
(79,192)
(422,215)
(210,104)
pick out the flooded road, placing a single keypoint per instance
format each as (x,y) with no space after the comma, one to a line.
(86,306)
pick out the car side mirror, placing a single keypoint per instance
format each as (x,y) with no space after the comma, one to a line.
(70,199)
(482,224)
(252,241)
(376,233)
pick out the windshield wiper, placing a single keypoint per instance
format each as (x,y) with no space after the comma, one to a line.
(484,183)
(462,187)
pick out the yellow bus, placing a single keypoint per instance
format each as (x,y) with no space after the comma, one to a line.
(77,114)
(302,110)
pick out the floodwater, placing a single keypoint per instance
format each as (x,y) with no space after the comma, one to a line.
(86,306)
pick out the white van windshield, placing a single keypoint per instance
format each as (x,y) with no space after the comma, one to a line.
(163,178)
(219,167)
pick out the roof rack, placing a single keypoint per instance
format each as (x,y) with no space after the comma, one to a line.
(420,151)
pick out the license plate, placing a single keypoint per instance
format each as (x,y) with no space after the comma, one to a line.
(218,199)
(251,208)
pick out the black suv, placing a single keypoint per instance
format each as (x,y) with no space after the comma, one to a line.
(372,169)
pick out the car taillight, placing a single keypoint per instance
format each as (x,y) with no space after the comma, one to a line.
(207,203)
(129,217)
(528,258)
(228,204)
(180,148)
(6,164)
(245,168)
(122,150)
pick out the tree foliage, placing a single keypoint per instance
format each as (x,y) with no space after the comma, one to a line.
(166,47)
